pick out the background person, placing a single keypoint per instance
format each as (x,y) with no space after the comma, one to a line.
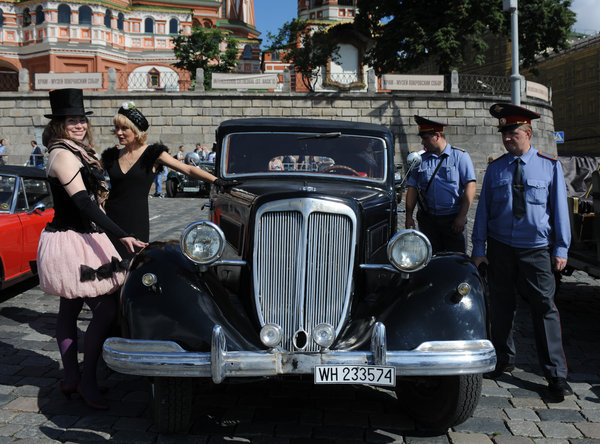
(180,155)
(445,182)
(159,178)
(523,217)
(36,158)
(200,150)
(76,260)
(132,170)
(3,156)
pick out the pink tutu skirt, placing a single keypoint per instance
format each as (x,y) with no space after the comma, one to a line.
(78,265)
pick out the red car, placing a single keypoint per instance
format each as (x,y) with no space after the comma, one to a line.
(26,207)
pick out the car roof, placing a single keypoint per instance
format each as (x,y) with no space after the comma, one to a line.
(302,125)
(23,171)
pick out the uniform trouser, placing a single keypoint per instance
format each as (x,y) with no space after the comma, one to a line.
(438,230)
(528,271)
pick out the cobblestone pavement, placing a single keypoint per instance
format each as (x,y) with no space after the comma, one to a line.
(514,409)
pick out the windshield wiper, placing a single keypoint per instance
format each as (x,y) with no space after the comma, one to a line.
(321,136)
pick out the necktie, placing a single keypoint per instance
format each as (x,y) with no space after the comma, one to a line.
(518,191)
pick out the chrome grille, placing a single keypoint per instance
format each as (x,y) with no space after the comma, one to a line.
(303,258)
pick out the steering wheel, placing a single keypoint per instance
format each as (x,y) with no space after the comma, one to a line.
(340,167)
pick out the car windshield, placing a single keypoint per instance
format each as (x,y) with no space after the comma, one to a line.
(359,157)
(7,188)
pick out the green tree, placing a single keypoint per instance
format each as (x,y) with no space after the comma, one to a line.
(202,49)
(405,33)
(307,47)
(544,26)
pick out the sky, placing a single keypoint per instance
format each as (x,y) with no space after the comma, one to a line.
(272,14)
(588,16)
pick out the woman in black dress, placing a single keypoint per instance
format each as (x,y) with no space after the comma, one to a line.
(132,169)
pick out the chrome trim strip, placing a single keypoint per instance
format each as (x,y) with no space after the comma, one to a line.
(229,262)
(166,358)
(384,267)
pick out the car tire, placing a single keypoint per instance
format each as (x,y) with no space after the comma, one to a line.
(171,187)
(437,403)
(172,402)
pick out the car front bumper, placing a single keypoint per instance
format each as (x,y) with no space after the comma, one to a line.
(166,358)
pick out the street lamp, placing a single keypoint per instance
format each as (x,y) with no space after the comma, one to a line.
(515,77)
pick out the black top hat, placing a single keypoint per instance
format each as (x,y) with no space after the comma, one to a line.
(67,102)
(429,126)
(129,110)
(512,116)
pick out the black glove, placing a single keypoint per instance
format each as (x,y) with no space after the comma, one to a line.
(92,211)
(224,185)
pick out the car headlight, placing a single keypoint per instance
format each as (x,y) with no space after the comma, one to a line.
(409,250)
(202,242)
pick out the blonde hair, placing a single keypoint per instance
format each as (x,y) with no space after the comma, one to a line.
(121,120)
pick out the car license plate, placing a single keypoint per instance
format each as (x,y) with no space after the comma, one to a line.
(355,374)
(191,189)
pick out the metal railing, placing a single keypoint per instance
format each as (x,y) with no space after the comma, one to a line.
(171,81)
(9,81)
(484,84)
(154,81)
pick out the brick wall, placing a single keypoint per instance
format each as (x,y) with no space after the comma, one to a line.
(189,118)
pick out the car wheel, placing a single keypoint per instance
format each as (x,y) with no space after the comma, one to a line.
(437,403)
(171,186)
(172,402)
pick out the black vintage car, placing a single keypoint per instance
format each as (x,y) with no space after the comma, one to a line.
(180,183)
(301,272)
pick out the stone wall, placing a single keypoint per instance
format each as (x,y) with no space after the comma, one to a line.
(191,117)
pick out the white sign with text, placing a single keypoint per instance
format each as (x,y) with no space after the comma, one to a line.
(537,90)
(244,81)
(83,80)
(412,82)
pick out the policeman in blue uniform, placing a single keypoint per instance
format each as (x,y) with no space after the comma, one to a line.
(444,187)
(522,215)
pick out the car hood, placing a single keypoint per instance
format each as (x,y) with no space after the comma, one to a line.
(343,189)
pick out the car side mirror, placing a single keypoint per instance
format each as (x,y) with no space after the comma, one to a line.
(39,207)
(412,161)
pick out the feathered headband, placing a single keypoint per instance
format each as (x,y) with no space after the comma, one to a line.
(129,110)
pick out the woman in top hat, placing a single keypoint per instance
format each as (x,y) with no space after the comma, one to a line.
(76,259)
(132,169)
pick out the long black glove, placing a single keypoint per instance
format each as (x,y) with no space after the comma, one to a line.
(224,185)
(90,209)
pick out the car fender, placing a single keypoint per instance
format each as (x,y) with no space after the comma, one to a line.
(183,305)
(430,308)
(418,307)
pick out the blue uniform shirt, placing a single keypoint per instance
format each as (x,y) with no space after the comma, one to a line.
(445,193)
(546,221)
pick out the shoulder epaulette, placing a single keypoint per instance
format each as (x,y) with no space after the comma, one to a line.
(548,156)
(457,148)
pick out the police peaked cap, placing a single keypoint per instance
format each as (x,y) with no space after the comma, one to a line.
(512,116)
(429,126)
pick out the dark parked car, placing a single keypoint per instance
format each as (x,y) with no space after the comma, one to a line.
(180,183)
(26,206)
(301,271)
(582,176)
